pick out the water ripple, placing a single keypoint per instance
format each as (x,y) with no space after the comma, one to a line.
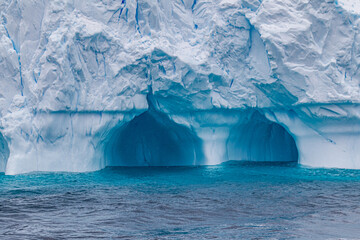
(229,201)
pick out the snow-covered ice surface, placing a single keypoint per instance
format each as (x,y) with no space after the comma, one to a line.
(214,77)
(351,6)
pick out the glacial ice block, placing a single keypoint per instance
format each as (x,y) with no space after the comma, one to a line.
(325,135)
(74,74)
(4,153)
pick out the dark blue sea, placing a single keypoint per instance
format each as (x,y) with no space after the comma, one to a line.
(236,200)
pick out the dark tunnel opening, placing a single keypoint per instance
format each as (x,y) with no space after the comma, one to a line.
(258,139)
(153,139)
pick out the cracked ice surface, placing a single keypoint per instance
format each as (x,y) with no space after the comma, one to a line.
(75,72)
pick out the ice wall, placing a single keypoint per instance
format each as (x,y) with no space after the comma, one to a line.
(4,153)
(326,135)
(74,73)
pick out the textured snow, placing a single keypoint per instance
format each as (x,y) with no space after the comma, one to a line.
(351,6)
(74,74)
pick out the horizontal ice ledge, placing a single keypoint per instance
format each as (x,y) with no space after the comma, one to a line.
(316,136)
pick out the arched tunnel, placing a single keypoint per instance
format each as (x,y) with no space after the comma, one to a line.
(153,139)
(258,139)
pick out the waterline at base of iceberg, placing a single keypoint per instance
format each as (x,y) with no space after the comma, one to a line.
(231,200)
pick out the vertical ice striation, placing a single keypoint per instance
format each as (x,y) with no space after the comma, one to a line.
(228,78)
(4,153)
(326,135)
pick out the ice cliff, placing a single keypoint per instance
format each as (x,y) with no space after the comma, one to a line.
(89,84)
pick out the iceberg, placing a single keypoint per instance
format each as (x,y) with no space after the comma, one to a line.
(89,84)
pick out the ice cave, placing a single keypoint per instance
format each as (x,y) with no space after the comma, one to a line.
(189,119)
(258,139)
(152,139)
(233,80)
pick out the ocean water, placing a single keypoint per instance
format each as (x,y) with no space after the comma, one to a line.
(236,200)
